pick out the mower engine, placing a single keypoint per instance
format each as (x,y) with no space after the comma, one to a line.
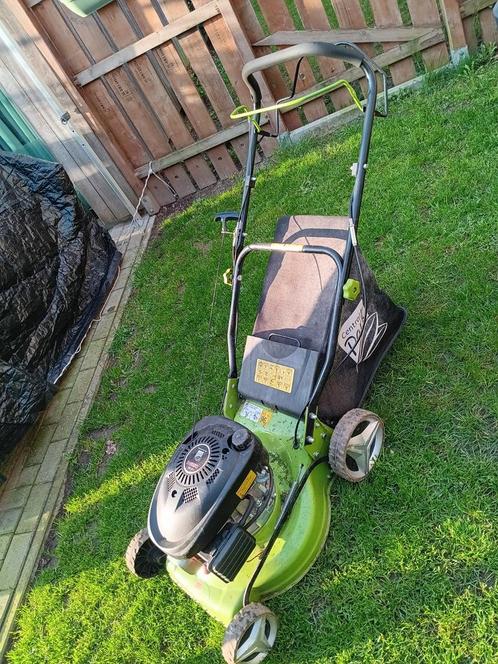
(214,495)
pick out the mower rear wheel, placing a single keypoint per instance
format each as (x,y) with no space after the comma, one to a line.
(143,558)
(250,636)
(356,444)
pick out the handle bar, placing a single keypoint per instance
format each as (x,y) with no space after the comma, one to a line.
(301,51)
(343,52)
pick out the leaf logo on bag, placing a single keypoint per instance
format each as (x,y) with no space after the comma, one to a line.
(354,327)
(371,336)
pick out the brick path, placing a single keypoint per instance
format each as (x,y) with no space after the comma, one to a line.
(34,489)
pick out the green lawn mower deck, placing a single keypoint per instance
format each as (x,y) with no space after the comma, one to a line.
(242,509)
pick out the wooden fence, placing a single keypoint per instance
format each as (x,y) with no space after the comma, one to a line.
(159,78)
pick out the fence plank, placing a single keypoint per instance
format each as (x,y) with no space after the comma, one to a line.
(488,26)
(141,46)
(152,96)
(203,66)
(349,14)
(199,147)
(423,12)
(117,82)
(125,97)
(242,43)
(471,7)
(314,17)
(179,79)
(386,59)
(238,32)
(247,17)
(277,17)
(364,35)
(387,15)
(470,24)
(454,26)
(224,45)
(122,133)
(164,109)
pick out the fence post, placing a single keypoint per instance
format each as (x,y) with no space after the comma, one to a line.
(450,10)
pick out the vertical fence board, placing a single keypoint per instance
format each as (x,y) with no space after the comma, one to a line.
(226,50)
(387,15)
(470,25)
(349,14)
(248,19)
(124,96)
(147,20)
(454,26)
(151,96)
(229,48)
(278,18)
(96,94)
(425,12)
(314,17)
(488,25)
(205,69)
(74,60)
(186,92)
(242,43)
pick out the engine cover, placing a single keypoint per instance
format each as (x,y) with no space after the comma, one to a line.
(208,475)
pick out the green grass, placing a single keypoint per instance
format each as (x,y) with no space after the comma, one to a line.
(409,571)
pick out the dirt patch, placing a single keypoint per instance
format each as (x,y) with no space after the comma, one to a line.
(48,560)
(181,289)
(83,459)
(183,203)
(150,389)
(138,359)
(203,247)
(111,448)
(103,432)
(120,382)
(111,361)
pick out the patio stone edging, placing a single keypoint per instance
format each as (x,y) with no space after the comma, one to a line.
(34,490)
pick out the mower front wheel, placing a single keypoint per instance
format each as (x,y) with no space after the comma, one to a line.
(356,444)
(250,636)
(143,558)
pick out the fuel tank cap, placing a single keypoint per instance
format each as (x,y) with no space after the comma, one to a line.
(241,439)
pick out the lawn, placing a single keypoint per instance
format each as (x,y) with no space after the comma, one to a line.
(409,571)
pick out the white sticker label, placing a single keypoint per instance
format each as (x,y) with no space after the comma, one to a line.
(251,412)
(359,337)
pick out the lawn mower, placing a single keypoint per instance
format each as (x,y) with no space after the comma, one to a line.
(242,509)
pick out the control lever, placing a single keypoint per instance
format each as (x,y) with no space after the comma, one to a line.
(224,218)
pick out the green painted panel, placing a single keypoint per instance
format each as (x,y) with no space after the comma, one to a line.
(84,7)
(16,135)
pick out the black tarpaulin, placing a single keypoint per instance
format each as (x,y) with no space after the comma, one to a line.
(57,266)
